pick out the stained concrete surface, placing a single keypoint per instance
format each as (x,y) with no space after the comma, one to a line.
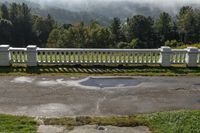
(65,96)
(93,129)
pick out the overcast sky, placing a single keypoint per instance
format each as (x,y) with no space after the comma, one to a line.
(81,4)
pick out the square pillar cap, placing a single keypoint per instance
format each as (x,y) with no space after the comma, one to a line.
(192,49)
(165,49)
(31,47)
(4,47)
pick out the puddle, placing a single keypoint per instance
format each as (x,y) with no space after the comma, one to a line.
(23,80)
(87,83)
(110,82)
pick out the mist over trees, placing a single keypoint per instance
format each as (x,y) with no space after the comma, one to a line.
(19,28)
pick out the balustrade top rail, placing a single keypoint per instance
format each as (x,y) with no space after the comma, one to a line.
(33,56)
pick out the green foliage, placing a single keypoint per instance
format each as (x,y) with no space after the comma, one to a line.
(42,28)
(164,27)
(79,36)
(17,124)
(141,28)
(5,26)
(19,27)
(122,45)
(173,43)
(4,12)
(116,31)
(188,25)
(189,45)
(136,43)
(174,122)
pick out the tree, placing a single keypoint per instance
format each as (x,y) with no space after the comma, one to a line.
(5,31)
(21,19)
(42,28)
(164,27)
(187,25)
(140,27)
(116,32)
(98,37)
(4,12)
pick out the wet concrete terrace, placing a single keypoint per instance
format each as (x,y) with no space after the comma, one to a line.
(69,96)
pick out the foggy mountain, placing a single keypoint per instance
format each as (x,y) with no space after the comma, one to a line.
(71,11)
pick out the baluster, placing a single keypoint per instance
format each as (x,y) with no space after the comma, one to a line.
(151,59)
(156,56)
(74,55)
(20,56)
(94,59)
(124,60)
(51,57)
(60,56)
(138,57)
(65,59)
(183,58)
(129,57)
(147,57)
(121,57)
(69,56)
(106,56)
(180,60)
(110,57)
(83,54)
(79,57)
(115,56)
(133,57)
(46,54)
(176,57)
(56,57)
(88,56)
(17,56)
(172,58)
(92,56)
(101,57)
(41,56)
(97,56)
(14,56)
(143,54)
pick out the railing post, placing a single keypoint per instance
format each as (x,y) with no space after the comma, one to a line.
(191,56)
(165,56)
(4,55)
(31,55)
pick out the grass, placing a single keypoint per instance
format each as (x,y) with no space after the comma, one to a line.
(84,70)
(164,122)
(174,122)
(184,121)
(17,124)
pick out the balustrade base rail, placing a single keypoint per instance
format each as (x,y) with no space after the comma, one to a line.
(34,56)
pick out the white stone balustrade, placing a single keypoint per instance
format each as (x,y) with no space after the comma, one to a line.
(33,56)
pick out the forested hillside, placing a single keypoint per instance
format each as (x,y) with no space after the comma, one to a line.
(20,27)
(103,13)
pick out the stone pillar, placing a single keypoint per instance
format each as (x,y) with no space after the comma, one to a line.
(4,55)
(191,56)
(165,56)
(31,55)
